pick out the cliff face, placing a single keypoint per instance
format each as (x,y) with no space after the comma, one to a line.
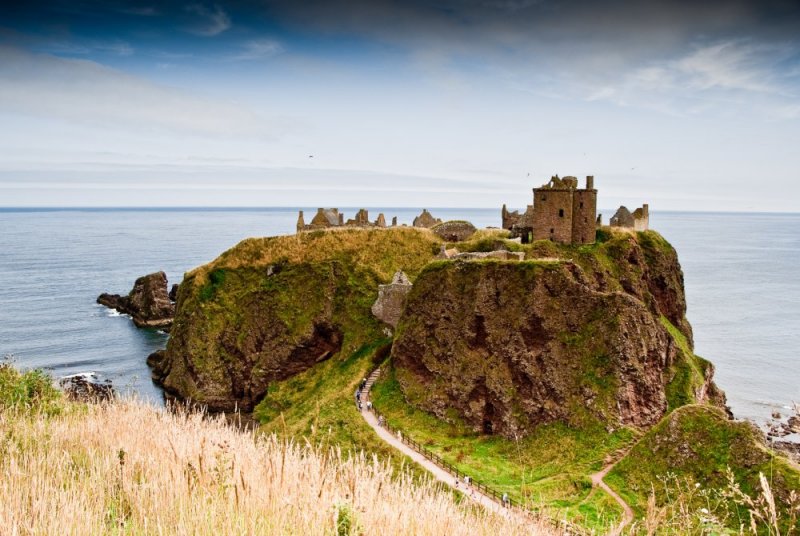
(599,335)
(271,308)
(507,346)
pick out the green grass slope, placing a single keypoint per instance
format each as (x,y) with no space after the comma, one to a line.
(687,462)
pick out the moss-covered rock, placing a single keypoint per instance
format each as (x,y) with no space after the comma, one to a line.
(270,308)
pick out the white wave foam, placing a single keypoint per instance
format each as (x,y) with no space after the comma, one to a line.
(85,375)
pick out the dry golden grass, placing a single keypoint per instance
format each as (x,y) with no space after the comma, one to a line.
(381,249)
(127,468)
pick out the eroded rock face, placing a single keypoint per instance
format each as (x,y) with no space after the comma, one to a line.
(225,354)
(148,303)
(391,299)
(509,346)
(271,308)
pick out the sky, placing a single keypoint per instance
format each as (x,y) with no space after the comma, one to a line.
(684,105)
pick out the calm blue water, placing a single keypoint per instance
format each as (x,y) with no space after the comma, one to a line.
(740,279)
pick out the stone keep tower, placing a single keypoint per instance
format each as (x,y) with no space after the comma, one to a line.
(563,213)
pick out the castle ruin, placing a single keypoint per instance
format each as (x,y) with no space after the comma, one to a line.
(639,220)
(561,212)
(327,218)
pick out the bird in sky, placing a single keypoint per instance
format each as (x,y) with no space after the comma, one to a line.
(311,156)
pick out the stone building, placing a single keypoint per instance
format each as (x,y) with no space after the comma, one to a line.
(326,218)
(520,225)
(426,219)
(639,220)
(561,212)
(564,213)
(391,299)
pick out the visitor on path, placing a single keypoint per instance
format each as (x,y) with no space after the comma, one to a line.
(369,405)
(359,405)
(363,383)
(505,500)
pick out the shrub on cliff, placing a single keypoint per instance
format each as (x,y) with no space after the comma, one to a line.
(31,391)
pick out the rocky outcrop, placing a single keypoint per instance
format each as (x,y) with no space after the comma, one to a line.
(173,292)
(148,303)
(509,346)
(454,231)
(391,299)
(86,388)
(269,309)
(643,265)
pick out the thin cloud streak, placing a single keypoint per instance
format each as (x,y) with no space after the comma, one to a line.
(212,20)
(83,91)
(258,49)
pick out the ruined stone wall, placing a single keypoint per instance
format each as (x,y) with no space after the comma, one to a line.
(584,216)
(641,218)
(552,214)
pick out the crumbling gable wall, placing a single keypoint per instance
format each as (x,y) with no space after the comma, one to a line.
(639,220)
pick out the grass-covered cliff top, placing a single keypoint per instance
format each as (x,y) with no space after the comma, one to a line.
(381,250)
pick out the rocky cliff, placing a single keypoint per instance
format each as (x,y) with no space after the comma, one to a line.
(570,334)
(270,308)
(595,333)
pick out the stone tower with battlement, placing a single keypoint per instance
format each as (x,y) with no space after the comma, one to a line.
(564,213)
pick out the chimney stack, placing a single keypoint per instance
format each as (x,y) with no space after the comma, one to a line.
(590,182)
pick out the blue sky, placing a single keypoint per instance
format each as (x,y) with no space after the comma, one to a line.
(685,105)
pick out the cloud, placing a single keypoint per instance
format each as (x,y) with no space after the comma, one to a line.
(85,92)
(211,20)
(85,48)
(259,49)
(730,65)
(711,76)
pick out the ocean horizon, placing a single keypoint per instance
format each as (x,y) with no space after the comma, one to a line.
(739,270)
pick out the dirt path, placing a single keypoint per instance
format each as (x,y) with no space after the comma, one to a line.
(440,474)
(627,518)
(474,494)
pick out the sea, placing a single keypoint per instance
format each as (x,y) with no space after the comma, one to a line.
(741,276)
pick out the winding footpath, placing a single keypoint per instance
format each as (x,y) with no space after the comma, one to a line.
(440,474)
(627,518)
(488,502)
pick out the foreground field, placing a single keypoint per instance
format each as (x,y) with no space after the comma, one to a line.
(126,468)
